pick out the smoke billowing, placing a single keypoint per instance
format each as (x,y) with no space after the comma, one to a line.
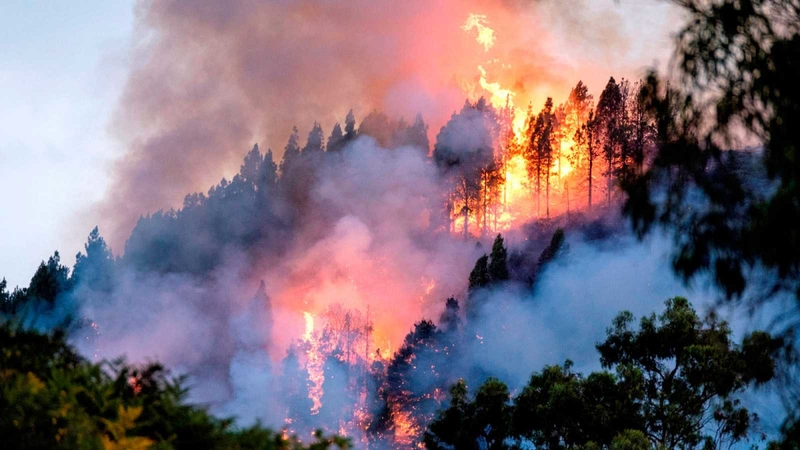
(208,79)
(232,287)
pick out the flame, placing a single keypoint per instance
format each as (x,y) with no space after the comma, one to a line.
(523,198)
(406,428)
(499,96)
(354,273)
(485,35)
(315,363)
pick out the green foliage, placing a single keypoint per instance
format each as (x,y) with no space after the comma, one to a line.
(556,247)
(739,60)
(49,281)
(489,270)
(52,398)
(689,371)
(479,277)
(482,422)
(559,408)
(498,267)
(449,321)
(674,385)
(630,440)
(95,269)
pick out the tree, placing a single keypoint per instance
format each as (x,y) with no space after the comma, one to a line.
(49,281)
(609,118)
(559,408)
(674,385)
(449,320)
(491,182)
(296,385)
(539,151)
(498,267)
(463,148)
(417,135)
(336,140)
(479,277)
(480,423)
(737,63)
(95,269)
(642,128)
(251,166)
(746,53)
(315,141)
(267,177)
(450,429)
(578,107)
(377,125)
(291,153)
(690,373)
(556,247)
(53,398)
(349,127)
(412,375)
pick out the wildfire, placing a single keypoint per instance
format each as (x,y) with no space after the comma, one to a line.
(529,188)
(315,363)
(499,96)
(406,428)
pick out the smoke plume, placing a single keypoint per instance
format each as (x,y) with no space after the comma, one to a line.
(210,78)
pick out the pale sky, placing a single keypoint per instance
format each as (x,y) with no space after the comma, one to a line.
(62,68)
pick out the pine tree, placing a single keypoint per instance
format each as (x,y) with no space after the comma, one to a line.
(296,386)
(417,135)
(251,166)
(291,152)
(449,320)
(609,117)
(50,280)
(95,269)
(479,277)
(314,143)
(498,267)
(336,140)
(350,127)
(267,174)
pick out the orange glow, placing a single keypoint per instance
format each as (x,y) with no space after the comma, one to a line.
(485,35)
(406,429)
(315,363)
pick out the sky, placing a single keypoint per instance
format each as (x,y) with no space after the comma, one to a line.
(63,66)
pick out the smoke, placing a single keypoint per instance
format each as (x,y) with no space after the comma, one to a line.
(575,300)
(208,79)
(351,228)
(362,240)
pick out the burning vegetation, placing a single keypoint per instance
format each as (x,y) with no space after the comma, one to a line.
(394,268)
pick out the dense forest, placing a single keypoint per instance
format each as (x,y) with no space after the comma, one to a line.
(276,294)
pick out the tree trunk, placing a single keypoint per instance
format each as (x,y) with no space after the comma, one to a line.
(591,163)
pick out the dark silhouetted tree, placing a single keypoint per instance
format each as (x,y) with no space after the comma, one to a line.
(450,321)
(95,269)
(498,266)
(349,127)
(690,372)
(291,153)
(50,280)
(336,140)
(315,141)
